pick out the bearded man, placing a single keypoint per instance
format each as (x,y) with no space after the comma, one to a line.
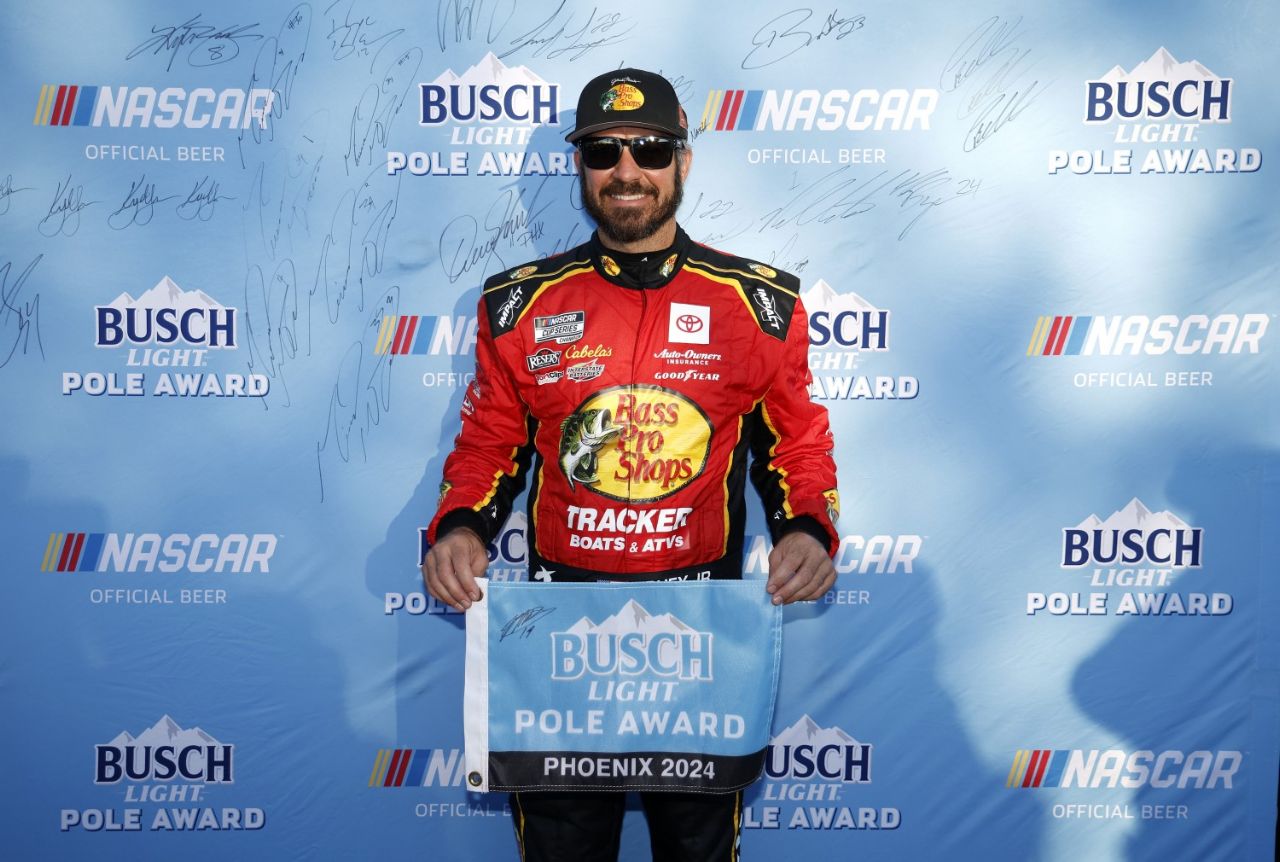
(640,377)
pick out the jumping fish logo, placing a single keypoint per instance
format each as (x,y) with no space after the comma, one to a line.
(582,435)
(622,97)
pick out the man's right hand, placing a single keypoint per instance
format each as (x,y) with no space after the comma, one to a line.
(452,566)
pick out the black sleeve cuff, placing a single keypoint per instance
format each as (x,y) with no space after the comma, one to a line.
(806,524)
(463,518)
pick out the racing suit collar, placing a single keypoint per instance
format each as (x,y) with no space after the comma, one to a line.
(645,270)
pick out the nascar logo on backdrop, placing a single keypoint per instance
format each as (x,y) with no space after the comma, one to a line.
(492,112)
(1141,335)
(438,769)
(438,335)
(1154,771)
(807,763)
(857,555)
(811,110)
(167,776)
(120,107)
(1133,556)
(203,554)
(166,327)
(1160,101)
(842,327)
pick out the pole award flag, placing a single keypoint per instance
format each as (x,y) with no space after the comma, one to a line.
(621,686)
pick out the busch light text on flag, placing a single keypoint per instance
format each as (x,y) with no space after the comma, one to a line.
(654,686)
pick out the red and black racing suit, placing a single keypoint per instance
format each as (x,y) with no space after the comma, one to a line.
(638,407)
(638,387)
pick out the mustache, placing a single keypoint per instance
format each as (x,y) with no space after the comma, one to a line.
(617,187)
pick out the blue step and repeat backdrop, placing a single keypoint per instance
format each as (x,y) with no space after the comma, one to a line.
(242,247)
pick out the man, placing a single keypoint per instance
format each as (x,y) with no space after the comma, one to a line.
(637,374)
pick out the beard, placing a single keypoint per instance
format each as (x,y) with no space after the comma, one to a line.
(633,224)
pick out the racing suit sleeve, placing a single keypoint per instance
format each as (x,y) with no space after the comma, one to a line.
(791,446)
(491,454)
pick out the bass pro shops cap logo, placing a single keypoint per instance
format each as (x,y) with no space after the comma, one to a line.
(622,96)
(634,443)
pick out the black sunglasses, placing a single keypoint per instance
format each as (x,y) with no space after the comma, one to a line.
(652,153)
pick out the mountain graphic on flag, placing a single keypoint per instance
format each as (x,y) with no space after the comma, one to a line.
(631,618)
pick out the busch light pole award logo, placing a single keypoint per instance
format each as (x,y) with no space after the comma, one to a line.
(167,777)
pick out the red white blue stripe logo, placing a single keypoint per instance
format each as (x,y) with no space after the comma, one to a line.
(65,105)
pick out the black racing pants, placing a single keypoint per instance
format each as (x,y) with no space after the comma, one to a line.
(585,826)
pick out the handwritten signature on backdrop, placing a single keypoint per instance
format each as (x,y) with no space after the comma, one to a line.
(312,276)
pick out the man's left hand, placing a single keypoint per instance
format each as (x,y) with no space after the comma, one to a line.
(799,569)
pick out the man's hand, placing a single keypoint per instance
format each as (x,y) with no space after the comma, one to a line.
(799,569)
(452,566)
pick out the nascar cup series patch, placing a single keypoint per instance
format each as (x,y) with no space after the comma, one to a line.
(594,686)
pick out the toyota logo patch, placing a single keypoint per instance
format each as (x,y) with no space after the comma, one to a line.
(689,323)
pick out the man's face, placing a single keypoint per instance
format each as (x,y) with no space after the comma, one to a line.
(628,203)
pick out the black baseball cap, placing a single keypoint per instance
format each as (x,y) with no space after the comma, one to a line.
(628,97)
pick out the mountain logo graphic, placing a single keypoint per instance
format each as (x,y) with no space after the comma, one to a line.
(632,642)
(166,315)
(164,752)
(1159,89)
(1132,536)
(806,750)
(490,91)
(844,320)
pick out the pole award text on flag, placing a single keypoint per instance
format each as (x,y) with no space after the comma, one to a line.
(635,686)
